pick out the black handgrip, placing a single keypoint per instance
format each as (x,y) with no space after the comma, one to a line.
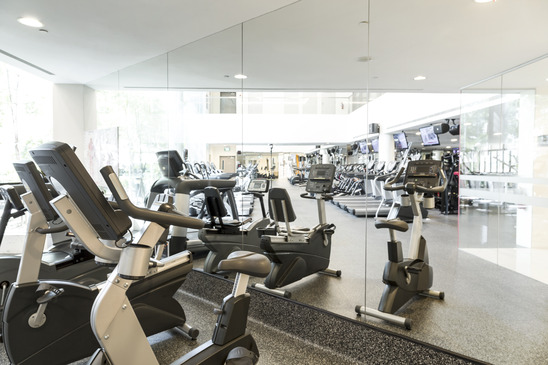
(52,229)
(127,206)
(325,196)
(388,185)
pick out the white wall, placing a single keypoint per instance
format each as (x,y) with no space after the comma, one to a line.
(68,115)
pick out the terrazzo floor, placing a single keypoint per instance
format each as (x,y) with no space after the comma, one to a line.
(490,312)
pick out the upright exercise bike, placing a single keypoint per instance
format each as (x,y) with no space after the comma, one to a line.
(404,278)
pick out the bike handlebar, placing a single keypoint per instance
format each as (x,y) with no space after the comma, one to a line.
(435,189)
(423,189)
(388,184)
(164,218)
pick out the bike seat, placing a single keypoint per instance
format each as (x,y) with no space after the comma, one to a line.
(246,262)
(395,224)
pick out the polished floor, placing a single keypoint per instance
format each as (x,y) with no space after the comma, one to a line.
(490,312)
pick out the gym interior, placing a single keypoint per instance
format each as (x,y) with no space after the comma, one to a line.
(284,95)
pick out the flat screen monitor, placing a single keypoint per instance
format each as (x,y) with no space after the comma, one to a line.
(400,140)
(364,148)
(170,163)
(375,145)
(429,138)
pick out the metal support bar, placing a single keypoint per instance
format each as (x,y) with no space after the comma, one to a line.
(392,318)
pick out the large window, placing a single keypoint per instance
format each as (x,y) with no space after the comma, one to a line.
(25,116)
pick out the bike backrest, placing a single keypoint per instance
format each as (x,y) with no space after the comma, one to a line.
(275,198)
(214,204)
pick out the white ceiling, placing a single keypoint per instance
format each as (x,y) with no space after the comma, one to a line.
(306,45)
(89,39)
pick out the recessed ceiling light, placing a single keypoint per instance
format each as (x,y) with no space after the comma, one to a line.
(240,77)
(30,22)
(497,134)
(447,146)
(454,139)
(484,1)
(418,133)
(419,78)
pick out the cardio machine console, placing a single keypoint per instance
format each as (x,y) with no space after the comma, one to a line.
(423,172)
(258,186)
(320,178)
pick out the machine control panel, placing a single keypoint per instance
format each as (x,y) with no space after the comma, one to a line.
(258,186)
(320,178)
(424,173)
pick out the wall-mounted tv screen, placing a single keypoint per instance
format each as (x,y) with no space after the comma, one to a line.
(429,138)
(400,140)
(375,145)
(364,148)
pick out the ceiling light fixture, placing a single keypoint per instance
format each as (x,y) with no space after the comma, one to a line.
(484,1)
(419,78)
(30,22)
(418,133)
(454,139)
(240,77)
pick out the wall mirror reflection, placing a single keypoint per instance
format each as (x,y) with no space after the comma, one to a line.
(258,95)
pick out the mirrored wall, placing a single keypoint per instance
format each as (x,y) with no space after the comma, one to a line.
(262,98)
(503,170)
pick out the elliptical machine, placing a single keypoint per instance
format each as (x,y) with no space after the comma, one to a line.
(405,278)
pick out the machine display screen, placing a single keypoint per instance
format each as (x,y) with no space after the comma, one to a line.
(170,163)
(258,186)
(320,179)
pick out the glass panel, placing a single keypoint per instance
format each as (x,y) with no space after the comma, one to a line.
(503,187)
(501,132)
(481,152)
(132,122)
(304,109)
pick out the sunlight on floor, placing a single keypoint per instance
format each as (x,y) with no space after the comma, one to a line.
(526,261)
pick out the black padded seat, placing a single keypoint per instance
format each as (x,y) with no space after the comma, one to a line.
(246,262)
(395,224)
(275,198)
